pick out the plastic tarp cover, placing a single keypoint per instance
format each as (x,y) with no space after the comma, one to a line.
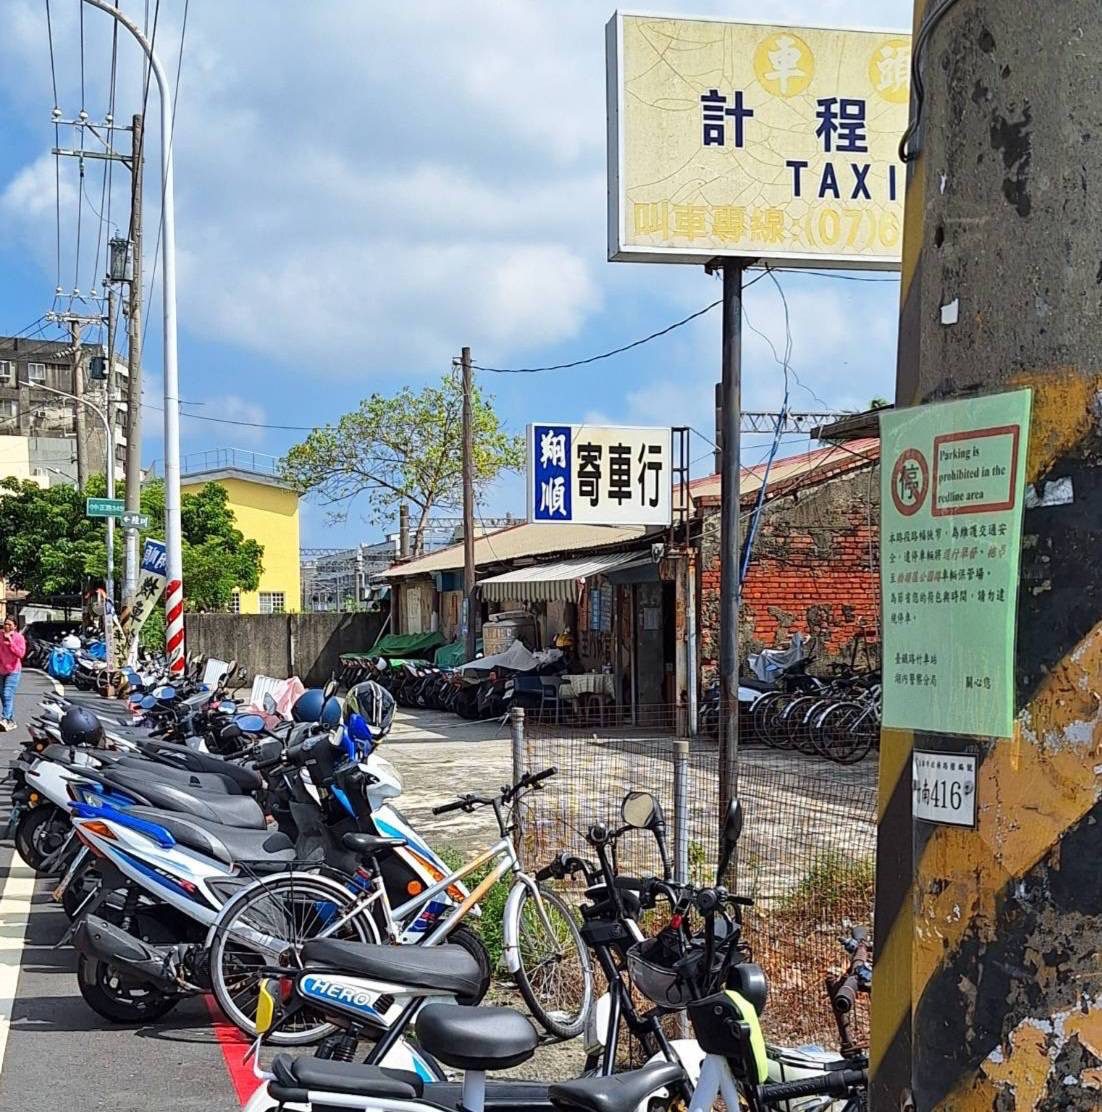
(453,655)
(516,657)
(408,645)
(770,663)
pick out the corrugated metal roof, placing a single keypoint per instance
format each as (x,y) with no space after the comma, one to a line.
(561,581)
(804,469)
(515,541)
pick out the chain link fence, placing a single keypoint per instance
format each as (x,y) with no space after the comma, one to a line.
(806,855)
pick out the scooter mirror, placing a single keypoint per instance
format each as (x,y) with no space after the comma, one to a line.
(165,692)
(330,688)
(250,723)
(270,703)
(638,810)
(148,702)
(227,706)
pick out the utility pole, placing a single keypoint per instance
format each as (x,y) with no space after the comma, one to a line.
(109,415)
(730,424)
(996,933)
(134,361)
(79,424)
(403,531)
(468,503)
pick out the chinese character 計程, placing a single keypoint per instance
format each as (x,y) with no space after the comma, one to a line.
(893,67)
(553,497)
(619,472)
(589,472)
(842,124)
(553,449)
(714,108)
(652,467)
(785,60)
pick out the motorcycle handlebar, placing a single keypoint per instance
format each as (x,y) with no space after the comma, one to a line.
(837,1083)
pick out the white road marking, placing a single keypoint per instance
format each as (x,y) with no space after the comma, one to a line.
(15,906)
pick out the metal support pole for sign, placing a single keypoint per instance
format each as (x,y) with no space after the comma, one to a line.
(680,810)
(468,504)
(729,533)
(516,732)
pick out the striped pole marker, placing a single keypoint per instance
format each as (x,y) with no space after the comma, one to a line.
(174,624)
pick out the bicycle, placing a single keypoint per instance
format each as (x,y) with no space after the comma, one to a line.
(543,948)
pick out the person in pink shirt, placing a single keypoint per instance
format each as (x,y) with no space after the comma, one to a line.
(13,648)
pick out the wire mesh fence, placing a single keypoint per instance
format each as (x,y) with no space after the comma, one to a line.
(806,854)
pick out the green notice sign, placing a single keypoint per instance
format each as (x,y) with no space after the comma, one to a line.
(952,487)
(104,507)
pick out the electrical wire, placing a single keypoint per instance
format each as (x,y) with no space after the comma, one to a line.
(615,351)
(907,151)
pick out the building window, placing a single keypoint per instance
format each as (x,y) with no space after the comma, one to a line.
(8,410)
(36,372)
(235,603)
(7,372)
(271,602)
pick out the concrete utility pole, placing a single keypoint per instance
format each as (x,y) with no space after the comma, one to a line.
(730,425)
(79,424)
(134,361)
(468,503)
(998,936)
(109,429)
(403,531)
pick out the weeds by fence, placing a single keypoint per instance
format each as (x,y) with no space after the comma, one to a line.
(807,852)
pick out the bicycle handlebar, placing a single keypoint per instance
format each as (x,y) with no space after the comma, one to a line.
(837,1083)
(508,793)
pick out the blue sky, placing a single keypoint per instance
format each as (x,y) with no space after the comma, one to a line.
(362,189)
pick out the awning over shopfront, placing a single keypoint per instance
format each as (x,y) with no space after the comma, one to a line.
(558,582)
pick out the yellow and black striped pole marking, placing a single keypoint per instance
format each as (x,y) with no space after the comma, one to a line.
(1001,925)
(890,1050)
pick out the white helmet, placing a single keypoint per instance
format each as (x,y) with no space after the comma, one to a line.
(70,641)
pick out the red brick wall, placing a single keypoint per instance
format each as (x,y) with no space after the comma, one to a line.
(810,572)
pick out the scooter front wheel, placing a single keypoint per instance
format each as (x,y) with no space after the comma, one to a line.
(40,833)
(267,925)
(118,997)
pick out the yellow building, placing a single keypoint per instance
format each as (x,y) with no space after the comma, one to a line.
(266,510)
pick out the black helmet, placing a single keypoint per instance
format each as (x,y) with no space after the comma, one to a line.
(374,704)
(308,705)
(79,726)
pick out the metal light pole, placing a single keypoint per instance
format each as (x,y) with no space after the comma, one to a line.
(174,589)
(110,471)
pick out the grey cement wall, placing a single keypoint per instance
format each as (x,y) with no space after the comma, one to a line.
(306,645)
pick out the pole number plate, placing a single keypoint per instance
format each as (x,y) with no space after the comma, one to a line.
(944,788)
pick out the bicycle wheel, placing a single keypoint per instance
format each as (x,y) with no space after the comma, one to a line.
(844,744)
(763,718)
(267,924)
(555,975)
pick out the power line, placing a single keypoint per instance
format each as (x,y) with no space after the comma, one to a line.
(615,351)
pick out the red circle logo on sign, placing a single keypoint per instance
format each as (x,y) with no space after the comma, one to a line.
(910,482)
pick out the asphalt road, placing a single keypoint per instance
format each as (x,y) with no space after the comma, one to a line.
(55,1052)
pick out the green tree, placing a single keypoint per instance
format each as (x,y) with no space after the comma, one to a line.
(49,548)
(405,448)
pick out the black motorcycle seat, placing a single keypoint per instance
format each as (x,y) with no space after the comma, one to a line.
(229,810)
(481,1038)
(440,969)
(621,1092)
(325,1075)
(229,844)
(183,756)
(210,782)
(370,845)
